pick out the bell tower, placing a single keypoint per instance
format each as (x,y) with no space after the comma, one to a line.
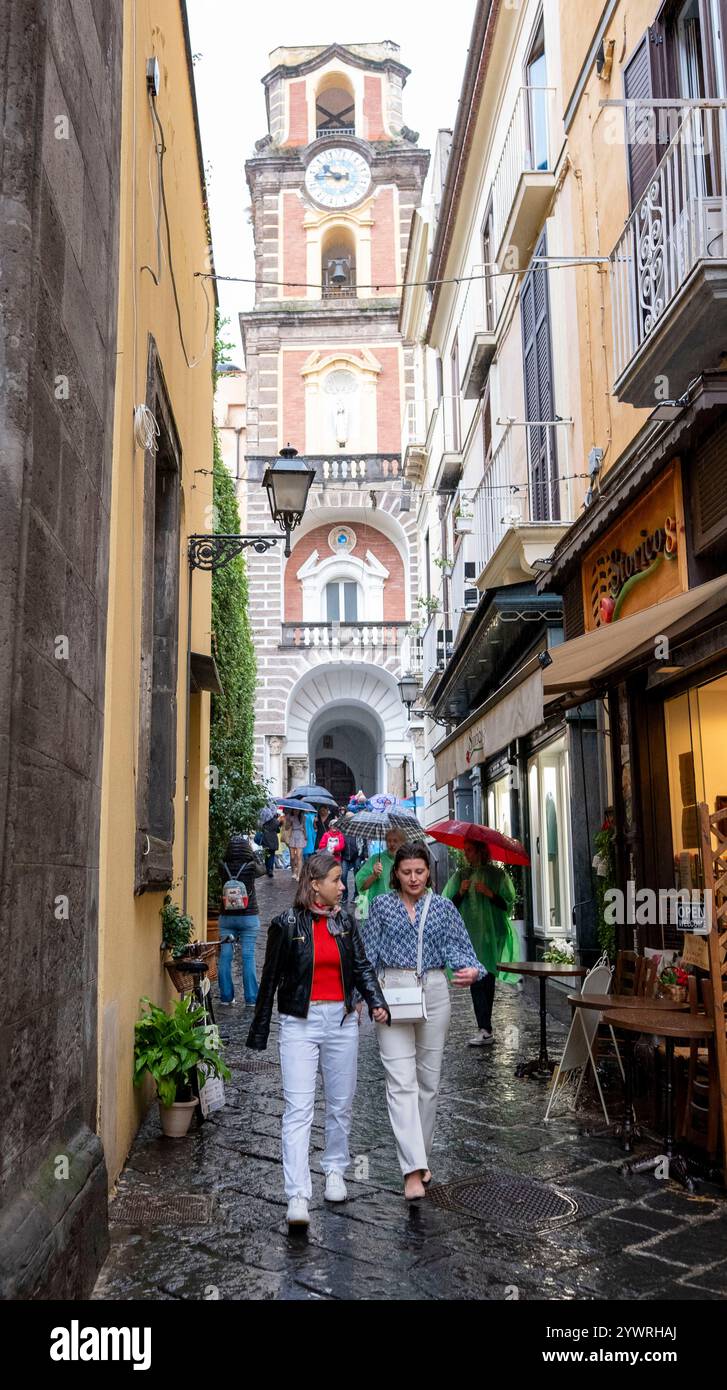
(334,184)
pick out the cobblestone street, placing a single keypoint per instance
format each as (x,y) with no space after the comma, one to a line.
(630,1238)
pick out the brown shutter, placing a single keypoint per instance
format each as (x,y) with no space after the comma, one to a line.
(644,78)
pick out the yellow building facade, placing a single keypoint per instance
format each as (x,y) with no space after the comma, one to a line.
(156,737)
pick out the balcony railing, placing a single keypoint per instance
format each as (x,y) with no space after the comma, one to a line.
(323,130)
(496,505)
(524,181)
(331,291)
(669,267)
(341,468)
(444,442)
(436,648)
(476,331)
(358,640)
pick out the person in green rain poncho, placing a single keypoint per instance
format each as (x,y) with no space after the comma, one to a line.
(374,876)
(485,895)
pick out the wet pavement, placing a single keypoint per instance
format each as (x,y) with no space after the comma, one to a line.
(568,1224)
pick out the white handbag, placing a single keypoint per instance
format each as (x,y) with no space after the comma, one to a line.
(403,989)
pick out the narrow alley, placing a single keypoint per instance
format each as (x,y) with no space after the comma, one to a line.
(203,1218)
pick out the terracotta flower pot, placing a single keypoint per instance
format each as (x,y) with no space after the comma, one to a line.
(177,1118)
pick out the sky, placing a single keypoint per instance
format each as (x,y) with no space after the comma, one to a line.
(231,41)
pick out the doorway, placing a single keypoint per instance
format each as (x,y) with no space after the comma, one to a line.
(337,777)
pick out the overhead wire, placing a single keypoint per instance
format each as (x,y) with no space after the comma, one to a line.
(492,272)
(170,261)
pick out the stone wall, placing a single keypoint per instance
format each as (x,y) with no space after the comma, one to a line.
(61,100)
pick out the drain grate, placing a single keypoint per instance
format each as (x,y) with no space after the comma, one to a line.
(507,1201)
(255,1064)
(141,1209)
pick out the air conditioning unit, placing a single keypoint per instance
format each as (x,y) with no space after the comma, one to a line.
(471,598)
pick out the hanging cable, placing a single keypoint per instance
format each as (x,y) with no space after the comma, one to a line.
(549,262)
(159,127)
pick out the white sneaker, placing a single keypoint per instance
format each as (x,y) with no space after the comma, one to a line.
(298,1212)
(481,1039)
(335,1188)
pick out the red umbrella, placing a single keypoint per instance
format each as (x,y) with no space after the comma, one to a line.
(502,848)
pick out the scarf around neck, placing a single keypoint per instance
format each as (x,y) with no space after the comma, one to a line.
(332,915)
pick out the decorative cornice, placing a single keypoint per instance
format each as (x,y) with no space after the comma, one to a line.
(325,55)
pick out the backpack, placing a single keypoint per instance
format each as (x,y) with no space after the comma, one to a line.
(234,892)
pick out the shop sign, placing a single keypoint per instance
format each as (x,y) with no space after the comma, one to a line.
(641,560)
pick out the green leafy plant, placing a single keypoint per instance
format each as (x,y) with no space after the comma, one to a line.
(177,928)
(604,873)
(237,797)
(430,605)
(170,1046)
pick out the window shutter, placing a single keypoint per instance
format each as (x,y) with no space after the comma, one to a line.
(644,78)
(539,402)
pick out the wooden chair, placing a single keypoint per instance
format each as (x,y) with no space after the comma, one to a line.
(698,1122)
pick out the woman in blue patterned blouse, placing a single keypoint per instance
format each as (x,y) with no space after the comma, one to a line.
(412,1052)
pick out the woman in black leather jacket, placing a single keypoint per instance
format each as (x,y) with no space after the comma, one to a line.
(316,961)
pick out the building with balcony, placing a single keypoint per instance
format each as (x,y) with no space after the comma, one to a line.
(334,186)
(496,453)
(643,569)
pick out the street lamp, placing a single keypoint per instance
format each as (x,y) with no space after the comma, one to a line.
(410,690)
(288,484)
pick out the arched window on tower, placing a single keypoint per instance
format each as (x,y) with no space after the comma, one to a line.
(335,107)
(338,264)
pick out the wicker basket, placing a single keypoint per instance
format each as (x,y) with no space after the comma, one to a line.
(182,980)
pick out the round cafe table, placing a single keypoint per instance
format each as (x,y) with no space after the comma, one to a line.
(605,1004)
(673,1027)
(542,971)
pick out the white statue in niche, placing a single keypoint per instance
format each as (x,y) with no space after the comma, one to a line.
(340,384)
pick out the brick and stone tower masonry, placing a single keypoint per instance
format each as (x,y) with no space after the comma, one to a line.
(334,185)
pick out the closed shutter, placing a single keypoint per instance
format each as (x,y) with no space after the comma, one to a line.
(539,403)
(644,80)
(709,492)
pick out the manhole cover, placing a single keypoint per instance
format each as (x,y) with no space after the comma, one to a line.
(253,1064)
(141,1209)
(509,1202)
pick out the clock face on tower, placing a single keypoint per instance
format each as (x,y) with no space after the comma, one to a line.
(337,177)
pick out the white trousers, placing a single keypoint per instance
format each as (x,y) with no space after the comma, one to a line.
(322,1039)
(412,1057)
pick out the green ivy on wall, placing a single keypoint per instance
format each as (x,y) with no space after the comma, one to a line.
(237,797)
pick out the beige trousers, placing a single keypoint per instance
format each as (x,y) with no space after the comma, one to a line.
(412,1058)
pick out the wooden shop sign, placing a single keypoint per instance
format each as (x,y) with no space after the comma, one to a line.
(641,560)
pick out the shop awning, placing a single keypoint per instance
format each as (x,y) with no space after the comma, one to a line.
(583,665)
(514,711)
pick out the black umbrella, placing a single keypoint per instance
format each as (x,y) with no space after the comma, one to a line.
(317,795)
(293,803)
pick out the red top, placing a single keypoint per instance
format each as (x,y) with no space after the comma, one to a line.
(334,842)
(327,978)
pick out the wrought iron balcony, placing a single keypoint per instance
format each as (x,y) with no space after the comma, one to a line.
(669,266)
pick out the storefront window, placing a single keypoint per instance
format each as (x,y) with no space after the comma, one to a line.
(498,806)
(550,841)
(697,760)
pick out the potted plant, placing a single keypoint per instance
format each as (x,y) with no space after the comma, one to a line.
(445,565)
(673,982)
(430,605)
(177,928)
(560,952)
(170,1047)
